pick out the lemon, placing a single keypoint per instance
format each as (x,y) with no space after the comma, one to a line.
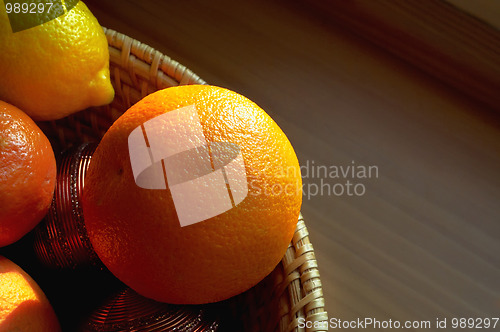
(56,68)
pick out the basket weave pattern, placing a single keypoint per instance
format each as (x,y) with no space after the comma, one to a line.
(293,290)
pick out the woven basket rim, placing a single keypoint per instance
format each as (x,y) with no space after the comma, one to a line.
(137,70)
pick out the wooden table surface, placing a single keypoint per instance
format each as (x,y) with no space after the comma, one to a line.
(421,240)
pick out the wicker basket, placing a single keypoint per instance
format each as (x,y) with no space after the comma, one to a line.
(292,292)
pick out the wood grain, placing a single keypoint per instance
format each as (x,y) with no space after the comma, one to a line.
(450,45)
(423,241)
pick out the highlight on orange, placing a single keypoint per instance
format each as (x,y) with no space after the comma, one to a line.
(23,305)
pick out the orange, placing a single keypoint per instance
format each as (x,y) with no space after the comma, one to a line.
(27,174)
(23,305)
(136,231)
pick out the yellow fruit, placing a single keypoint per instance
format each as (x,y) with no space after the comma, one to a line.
(136,231)
(56,68)
(23,305)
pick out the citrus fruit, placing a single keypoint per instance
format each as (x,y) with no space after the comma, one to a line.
(138,227)
(27,174)
(55,68)
(23,305)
